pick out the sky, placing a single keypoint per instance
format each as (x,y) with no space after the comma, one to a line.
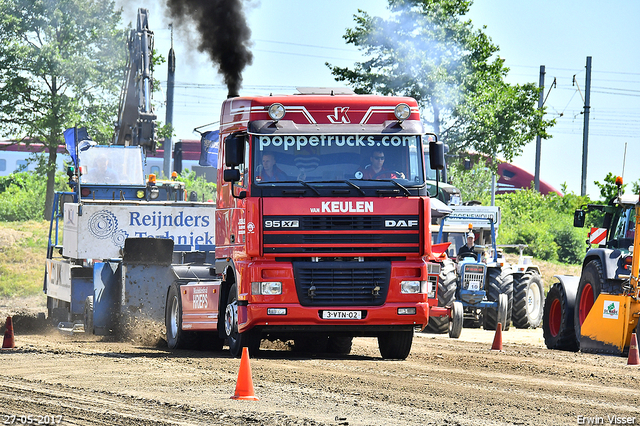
(292,39)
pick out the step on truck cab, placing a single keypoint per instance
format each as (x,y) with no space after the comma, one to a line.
(322,221)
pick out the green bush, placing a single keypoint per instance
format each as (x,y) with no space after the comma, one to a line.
(22,195)
(571,245)
(544,222)
(205,190)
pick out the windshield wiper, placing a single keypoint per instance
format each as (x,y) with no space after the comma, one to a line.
(306,185)
(348,182)
(405,190)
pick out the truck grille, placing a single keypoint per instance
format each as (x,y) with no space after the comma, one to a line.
(342,283)
(341,234)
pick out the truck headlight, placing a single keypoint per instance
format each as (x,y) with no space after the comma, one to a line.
(410,287)
(266,288)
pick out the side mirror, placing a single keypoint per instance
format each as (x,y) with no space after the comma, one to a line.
(234,151)
(579,218)
(436,155)
(231,175)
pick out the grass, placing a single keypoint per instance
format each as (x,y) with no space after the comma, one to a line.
(549,269)
(23,249)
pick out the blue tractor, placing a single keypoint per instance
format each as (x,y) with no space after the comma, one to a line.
(481,280)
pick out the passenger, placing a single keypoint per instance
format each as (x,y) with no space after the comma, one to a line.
(269,171)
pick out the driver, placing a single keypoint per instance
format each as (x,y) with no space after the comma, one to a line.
(469,246)
(376,169)
(103,173)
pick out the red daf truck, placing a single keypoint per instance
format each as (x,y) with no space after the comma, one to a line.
(321,226)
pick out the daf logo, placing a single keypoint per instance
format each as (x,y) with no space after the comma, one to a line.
(400,223)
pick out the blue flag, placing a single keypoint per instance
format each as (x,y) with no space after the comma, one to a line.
(210,144)
(72,136)
(70,142)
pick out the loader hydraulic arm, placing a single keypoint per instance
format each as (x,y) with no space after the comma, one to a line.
(635,262)
(136,118)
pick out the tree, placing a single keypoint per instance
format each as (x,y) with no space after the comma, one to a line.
(425,50)
(61,64)
(609,189)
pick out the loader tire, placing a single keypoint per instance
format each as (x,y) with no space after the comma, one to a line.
(499,281)
(447,285)
(528,300)
(592,283)
(557,321)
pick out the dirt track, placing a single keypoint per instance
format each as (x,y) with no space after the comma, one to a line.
(88,380)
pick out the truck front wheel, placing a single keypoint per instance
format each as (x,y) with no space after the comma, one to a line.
(395,344)
(235,339)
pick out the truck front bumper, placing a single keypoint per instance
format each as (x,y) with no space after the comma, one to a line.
(287,317)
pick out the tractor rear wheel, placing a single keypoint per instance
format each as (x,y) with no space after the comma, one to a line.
(528,300)
(557,321)
(447,284)
(499,281)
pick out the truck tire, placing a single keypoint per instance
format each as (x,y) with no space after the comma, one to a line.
(235,339)
(592,283)
(557,321)
(88,315)
(395,344)
(177,338)
(457,319)
(340,345)
(447,284)
(499,281)
(528,300)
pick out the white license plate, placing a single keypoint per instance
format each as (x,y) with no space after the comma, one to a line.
(341,314)
(474,285)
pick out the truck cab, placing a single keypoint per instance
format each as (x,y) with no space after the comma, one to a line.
(322,220)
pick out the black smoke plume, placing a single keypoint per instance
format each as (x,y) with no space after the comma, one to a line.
(224,34)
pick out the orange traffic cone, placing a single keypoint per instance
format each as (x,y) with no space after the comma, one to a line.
(634,356)
(244,385)
(497,339)
(8,341)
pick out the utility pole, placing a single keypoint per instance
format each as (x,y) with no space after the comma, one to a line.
(539,138)
(585,135)
(171,78)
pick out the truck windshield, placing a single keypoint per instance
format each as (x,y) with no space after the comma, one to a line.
(327,158)
(111,165)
